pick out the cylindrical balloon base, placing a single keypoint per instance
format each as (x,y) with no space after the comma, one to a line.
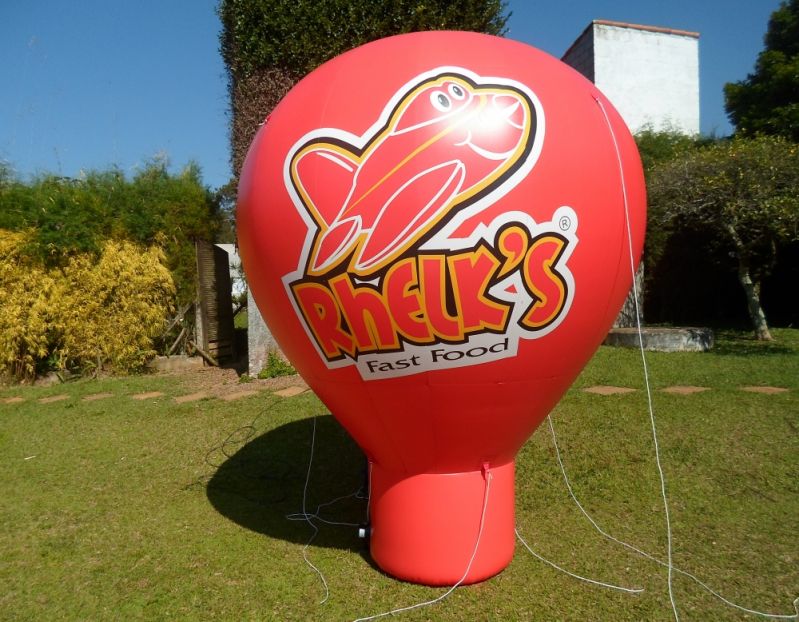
(425,527)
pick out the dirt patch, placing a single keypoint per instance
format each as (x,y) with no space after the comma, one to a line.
(193,397)
(685,390)
(97,396)
(223,381)
(766,390)
(54,398)
(602,390)
(147,396)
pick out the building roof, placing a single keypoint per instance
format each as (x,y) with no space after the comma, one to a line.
(667,31)
(605,22)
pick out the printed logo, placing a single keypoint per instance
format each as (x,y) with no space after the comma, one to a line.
(387,280)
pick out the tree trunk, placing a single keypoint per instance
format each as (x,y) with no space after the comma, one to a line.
(752,290)
(628,316)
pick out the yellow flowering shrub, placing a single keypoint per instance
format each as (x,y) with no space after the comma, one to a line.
(26,291)
(105,308)
(113,307)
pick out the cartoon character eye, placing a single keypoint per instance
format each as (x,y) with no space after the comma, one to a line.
(440,101)
(456,91)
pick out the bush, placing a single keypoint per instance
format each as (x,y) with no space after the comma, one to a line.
(276,366)
(26,292)
(65,217)
(113,308)
(96,310)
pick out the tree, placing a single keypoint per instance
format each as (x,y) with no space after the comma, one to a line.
(269,45)
(657,147)
(767,101)
(225,200)
(746,193)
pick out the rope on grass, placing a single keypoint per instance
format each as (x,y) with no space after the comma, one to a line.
(652,557)
(576,576)
(643,357)
(240,437)
(669,564)
(308,518)
(229,448)
(305,516)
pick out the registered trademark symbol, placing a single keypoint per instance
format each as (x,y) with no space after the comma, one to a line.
(565,223)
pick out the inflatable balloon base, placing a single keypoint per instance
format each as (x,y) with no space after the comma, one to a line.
(426,527)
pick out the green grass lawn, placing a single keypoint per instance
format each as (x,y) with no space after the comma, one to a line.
(132,510)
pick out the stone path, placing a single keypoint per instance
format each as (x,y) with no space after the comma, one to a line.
(680,390)
(193,397)
(238,394)
(294,390)
(291,391)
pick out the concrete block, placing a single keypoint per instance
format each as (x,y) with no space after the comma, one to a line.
(259,338)
(650,74)
(663,339)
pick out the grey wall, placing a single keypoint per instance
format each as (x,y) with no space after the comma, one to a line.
(580,55)
(259,337)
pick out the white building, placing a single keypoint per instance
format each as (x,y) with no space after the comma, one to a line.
(650,74)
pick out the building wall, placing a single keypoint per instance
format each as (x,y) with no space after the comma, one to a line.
(650,77)
(235,263)
(580,55)
(259,338)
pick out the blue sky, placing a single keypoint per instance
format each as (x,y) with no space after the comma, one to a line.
(92,83)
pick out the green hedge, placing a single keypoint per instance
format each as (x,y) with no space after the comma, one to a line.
(269,45)
(299,36)
(71,216)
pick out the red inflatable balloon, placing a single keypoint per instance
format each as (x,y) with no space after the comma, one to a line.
(433,226)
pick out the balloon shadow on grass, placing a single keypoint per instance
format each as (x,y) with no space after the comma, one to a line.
(259,480)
